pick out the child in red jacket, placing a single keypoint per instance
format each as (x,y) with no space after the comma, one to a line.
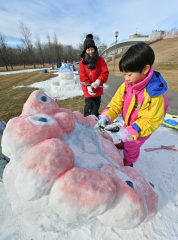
(93,72)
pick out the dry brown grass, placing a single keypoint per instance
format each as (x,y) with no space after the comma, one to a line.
(166,51)
(12,99)
(166,62)
(76,104)
(21,67)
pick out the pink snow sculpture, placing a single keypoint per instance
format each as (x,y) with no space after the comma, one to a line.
(78,116)
(91,120)
(111,151)
(131,201)
(81,194)
(65,110)
(39,102)
(45,162)
(64,173)
(24,132)
(147,191)
(66,122)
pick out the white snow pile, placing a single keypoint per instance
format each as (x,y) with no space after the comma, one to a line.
(22,71)
(53,90)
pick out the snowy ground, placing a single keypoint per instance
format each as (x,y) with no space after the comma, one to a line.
(22,71)
(46,86)
(159,167)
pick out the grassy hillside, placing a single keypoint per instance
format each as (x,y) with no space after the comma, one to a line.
(166,62)
(166,51)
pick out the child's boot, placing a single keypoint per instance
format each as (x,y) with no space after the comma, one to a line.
(126,163)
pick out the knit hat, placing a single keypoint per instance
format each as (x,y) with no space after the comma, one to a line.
(89,42)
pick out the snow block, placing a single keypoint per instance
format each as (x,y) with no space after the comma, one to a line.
(63,173)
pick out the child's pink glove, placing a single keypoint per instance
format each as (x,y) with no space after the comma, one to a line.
(125,135)
(95,84)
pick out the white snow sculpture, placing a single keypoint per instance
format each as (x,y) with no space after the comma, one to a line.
(66,75)
(77,79)
(63,173)
(55,87)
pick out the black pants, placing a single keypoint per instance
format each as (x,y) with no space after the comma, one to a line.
(92,106)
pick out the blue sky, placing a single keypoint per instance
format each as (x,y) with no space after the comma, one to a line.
(70,19)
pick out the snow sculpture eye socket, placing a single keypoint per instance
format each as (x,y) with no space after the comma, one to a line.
(42,98)
(130,184)
(41,120)
(151,184)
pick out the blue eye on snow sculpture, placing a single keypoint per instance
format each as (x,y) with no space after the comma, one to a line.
(42,119)
(151,184)
(43,98)
(130,184)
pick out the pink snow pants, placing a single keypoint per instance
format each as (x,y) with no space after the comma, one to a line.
(132,149)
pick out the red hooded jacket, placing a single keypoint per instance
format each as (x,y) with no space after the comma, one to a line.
(90,75)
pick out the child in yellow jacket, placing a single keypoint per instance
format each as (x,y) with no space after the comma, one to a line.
(141,99)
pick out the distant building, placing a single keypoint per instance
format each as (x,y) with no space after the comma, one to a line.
(133,35)
(121,46)
(156,35)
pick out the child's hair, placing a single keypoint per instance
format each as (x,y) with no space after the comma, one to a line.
(136,58)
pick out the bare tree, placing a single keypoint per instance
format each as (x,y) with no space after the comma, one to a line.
(50,49)
(58,49)
(102,47)
(4,51)
(22,54)
(40,51)
(27,40)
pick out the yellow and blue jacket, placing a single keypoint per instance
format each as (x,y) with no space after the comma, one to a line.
(143,105)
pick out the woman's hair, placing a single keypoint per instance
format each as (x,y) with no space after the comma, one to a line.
(136,58)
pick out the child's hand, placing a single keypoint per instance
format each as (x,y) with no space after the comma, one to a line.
(125,135)
(95,84)
(90,91)
(101,124)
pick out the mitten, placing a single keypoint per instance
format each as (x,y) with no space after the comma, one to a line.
(90,91)
(125,135)
(95,84)
(101,124)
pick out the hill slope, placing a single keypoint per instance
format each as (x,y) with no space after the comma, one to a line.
(166,62)
(166,50)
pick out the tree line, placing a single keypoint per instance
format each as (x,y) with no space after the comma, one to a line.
(34,52)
